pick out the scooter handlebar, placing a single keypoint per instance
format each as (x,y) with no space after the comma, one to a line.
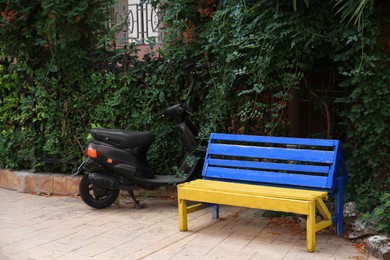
(175,111)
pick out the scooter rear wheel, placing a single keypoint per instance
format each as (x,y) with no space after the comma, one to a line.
(96,196)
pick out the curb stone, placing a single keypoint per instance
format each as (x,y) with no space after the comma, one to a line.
(60,184)
(45,183)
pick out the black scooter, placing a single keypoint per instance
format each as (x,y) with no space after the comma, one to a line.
(117,161)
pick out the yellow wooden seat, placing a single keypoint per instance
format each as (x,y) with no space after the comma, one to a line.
(256,196)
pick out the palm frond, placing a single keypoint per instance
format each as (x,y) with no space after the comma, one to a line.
(352,10)
(295,4)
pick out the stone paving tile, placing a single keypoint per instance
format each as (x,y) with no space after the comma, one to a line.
(64,228)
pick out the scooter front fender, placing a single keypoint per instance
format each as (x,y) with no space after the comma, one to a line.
(84,165)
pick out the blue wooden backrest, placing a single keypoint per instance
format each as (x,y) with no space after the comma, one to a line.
(282,161)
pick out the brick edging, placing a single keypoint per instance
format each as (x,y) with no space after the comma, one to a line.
(60,184)
(47,183)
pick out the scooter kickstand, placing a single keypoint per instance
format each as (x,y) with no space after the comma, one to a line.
(137,203)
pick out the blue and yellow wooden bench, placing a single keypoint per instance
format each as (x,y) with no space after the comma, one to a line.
(281,174)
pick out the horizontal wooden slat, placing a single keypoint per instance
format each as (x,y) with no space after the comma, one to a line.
(303,155)
(260,190)
(274,140)
(270,166)
(265,177)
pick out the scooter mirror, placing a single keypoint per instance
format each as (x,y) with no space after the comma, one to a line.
(162,99)
(190,91)
(191,88)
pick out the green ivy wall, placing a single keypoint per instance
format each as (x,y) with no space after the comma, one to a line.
(259,67)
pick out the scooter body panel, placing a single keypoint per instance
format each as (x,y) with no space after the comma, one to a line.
(129,162)
(187,137)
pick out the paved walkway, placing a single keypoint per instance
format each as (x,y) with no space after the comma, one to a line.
(55,227)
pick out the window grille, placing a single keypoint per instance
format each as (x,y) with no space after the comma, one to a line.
(137,22)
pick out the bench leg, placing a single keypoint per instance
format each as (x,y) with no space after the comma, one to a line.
(182,215)
(215,211)
(311,227)
(339,212)
(339,207)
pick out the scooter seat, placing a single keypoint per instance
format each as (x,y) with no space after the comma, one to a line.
(122,138)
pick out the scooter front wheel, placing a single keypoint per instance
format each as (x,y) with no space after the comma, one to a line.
(96,196)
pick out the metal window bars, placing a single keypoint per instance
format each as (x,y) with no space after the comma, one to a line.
(135,22)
